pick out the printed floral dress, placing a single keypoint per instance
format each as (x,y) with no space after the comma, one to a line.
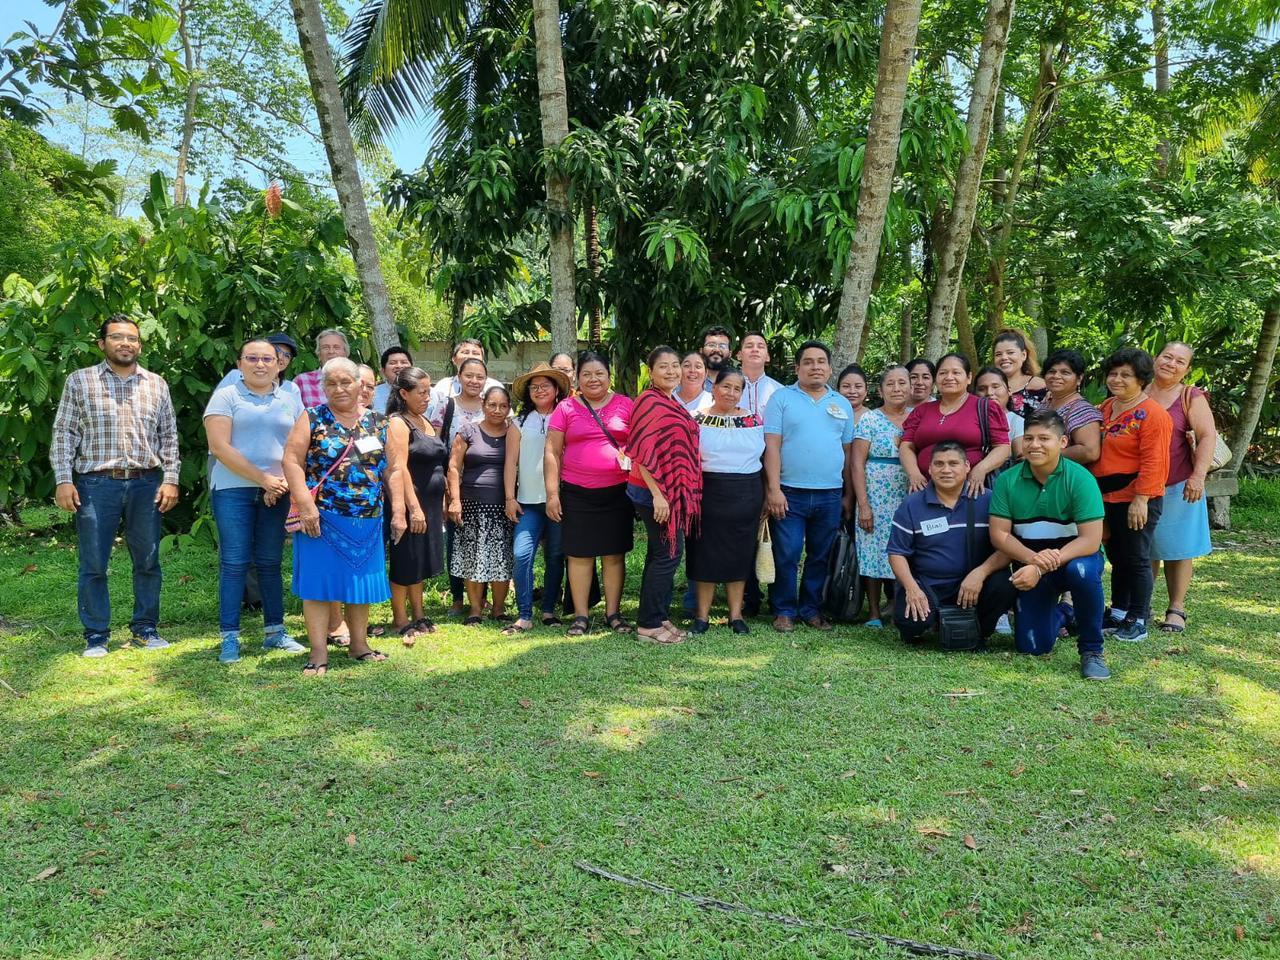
(886,489)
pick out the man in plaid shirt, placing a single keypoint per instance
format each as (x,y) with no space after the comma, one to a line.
(329,344)
(115,456)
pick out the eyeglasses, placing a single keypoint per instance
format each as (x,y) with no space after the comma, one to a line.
(260,359)
(123,338)
(541,386)
(716,345)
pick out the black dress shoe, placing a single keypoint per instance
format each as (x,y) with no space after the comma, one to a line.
(700,626)
(739,626)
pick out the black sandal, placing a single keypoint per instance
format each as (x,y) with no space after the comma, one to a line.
(424,625)
(579,627)
(340,639)
(473,621)
(516,628)
(317,669)
(615,623)
(1167,627)
(371,656)
(551,620)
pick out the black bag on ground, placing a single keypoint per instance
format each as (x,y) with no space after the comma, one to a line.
(958,627)
(842,593)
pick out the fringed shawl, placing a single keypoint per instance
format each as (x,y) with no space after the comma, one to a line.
(664,440)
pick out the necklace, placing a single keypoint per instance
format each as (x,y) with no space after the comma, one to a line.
(946,413)
(1116,409)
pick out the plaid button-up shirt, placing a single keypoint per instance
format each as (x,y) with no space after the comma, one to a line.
(105,422)
(311,386)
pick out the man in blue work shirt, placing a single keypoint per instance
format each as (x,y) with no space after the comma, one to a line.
(940,551)
(808,429)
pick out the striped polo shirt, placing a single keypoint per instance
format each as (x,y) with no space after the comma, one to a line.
(1047,515)
(933,536)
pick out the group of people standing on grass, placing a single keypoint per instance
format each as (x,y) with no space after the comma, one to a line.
(986,494)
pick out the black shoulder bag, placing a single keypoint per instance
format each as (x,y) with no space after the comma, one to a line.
(958,627)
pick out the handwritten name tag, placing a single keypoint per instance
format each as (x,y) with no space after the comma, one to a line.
(931,528)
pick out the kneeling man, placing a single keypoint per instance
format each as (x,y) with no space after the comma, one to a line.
(1047,514)
(941,553)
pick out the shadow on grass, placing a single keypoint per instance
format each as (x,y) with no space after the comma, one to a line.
(433,805)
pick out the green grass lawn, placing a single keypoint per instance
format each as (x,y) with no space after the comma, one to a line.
(434,806)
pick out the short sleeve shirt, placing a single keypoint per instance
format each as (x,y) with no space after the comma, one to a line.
(814,434)
(927,426)
(933,536)
(590,458)
(1047,516)
(260,424)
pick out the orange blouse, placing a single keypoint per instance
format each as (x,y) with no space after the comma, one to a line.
(1135,451)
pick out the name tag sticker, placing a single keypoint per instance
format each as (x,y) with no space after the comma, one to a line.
(931,528)
(834,411)
(624,462)
(368,444)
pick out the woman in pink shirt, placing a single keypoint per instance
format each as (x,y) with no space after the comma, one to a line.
(585,469)
(955,415)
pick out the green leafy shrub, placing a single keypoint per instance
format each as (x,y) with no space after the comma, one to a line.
(198,279)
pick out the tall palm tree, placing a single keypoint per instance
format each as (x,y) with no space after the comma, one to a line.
(341,151)
(403,55)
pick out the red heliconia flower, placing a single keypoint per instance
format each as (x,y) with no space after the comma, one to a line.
(272,200)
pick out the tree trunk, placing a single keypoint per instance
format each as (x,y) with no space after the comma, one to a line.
(905,346)
(964,329)
(1259,381)
(591,220)
(344,168)
(1160,40)
(955,246)
(553,104)
(880,158)
(188,108)
(1045,83)
(457,314)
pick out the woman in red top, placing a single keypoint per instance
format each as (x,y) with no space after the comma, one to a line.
(954,416)
(1131,472)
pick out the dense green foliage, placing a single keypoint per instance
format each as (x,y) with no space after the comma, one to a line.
(434,805)
(47,196)
(198,279)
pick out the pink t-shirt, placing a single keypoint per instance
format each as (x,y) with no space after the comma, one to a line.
(925,426)
(590,460)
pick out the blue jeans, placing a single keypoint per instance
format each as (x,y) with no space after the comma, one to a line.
(1037,617)
(530,527)
(104,502)
(810,526)
(249,534)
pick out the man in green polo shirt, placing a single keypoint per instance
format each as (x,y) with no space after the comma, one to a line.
(1047,514)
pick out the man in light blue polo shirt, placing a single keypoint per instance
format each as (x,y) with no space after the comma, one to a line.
(808,430)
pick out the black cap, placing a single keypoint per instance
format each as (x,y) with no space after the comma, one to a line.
(283,340)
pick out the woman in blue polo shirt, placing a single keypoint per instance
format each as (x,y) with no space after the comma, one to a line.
(247,423)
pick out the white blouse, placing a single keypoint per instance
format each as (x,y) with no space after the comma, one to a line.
(531,487)
(730,444)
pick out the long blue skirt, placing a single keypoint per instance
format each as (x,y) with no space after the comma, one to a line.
(1183,530)
(345,563)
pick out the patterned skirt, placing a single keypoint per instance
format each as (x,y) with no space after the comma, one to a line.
(482,545)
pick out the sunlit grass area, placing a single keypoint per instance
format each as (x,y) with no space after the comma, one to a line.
(434,806)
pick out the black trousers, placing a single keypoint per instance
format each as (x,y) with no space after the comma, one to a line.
(997,597)
(1130,554)
(660,566)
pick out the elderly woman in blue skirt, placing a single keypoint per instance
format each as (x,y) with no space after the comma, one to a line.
(337,465)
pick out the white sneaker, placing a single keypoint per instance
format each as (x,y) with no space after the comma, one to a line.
(1004,626)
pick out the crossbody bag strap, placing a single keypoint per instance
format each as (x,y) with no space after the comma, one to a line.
(315,491)
(968,532)
(984,411)
(600,423)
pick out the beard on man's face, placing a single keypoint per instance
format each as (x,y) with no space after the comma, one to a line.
(714,362)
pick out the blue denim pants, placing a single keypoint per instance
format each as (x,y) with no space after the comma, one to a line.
(531,526)
(1037,616)
(104,503)
(810,526)
(249,534)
